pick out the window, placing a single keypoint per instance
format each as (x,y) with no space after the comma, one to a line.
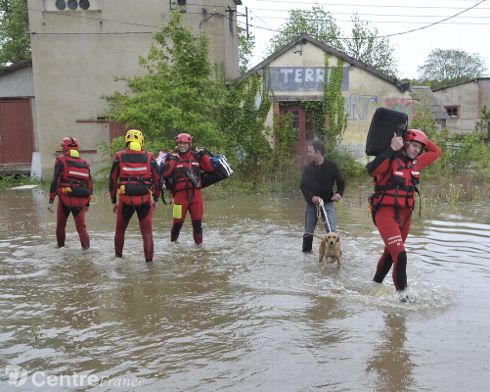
(452,111)
(71,5)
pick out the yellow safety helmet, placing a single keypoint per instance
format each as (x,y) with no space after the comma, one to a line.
(134,135)
(134,146)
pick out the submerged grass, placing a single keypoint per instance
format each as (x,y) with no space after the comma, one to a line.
(451,190)
(460,189)
(17,180)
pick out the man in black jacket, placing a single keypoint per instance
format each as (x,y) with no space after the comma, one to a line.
(317,182)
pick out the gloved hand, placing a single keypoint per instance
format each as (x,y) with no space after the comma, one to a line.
(200,152)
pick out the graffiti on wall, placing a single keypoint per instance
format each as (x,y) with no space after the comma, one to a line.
(360,107)
(404,105)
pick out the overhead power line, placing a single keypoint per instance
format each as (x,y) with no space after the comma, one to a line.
(262,16)
(434,23)
(402,32)
(344,4)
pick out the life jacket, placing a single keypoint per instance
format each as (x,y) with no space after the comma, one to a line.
(187,172)
(397,187)
(73,187)
(135,177)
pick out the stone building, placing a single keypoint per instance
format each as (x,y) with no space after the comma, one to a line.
(463,103)
(80,47)
(295,74)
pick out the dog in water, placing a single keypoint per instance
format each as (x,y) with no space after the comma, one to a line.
(329,247)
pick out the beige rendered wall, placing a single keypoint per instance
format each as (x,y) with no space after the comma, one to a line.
(17,84)
(465,96)
(215,19)
(76,57)
(485,93)
(469,98)
(366,93)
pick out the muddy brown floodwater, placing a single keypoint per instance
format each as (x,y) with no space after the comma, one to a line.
(247,311)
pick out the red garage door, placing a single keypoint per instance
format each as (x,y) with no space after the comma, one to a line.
(16,134)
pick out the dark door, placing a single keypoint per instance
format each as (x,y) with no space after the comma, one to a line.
(116,129)
(297,114)
(304,128)
(16,133)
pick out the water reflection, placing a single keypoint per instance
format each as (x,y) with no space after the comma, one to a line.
(392,361)
(21,211)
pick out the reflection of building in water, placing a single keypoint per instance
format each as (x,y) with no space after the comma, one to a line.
(20,213)
(391,361)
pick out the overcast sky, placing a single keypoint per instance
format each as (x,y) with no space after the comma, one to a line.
(469,31)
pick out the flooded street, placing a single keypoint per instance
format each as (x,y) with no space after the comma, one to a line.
(247,311)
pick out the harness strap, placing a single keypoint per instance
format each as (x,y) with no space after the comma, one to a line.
(387,187)
(139,179)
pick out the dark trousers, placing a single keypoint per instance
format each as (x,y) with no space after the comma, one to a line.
(62,214)
(124,214)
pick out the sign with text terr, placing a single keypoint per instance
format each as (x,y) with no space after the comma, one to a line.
(296,79)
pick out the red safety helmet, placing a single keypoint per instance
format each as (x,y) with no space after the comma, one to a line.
(184,138)
(416,135)
(69,143)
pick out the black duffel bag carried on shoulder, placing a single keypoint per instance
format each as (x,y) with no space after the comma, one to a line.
(222,170)
(384,124)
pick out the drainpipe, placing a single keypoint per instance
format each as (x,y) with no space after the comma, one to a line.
(480,98)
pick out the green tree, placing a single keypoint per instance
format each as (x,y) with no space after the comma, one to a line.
(179,91)
(14,32)
(444,67)
(176,93)
(246,46)
(365,46)
(243,110)
(334,104)
(483,124)
(316,22)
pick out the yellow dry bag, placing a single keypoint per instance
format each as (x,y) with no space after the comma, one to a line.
(177,211)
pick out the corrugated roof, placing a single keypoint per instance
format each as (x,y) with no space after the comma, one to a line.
(15,67)
(425,95)
(475,80)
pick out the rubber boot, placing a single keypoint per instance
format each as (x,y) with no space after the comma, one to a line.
(174,233)
(197,231)
(307,243)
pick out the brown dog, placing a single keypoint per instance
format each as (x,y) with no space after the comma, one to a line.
(329,247)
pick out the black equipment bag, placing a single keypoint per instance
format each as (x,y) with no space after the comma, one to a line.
(136,189)
(80,191)
(222,170)
(385,122)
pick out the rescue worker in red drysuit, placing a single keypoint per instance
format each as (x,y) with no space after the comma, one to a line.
(72,183)
(184,167)
(396,174)
(135,178)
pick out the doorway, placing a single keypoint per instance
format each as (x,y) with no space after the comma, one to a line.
(16,132)
(306,131)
